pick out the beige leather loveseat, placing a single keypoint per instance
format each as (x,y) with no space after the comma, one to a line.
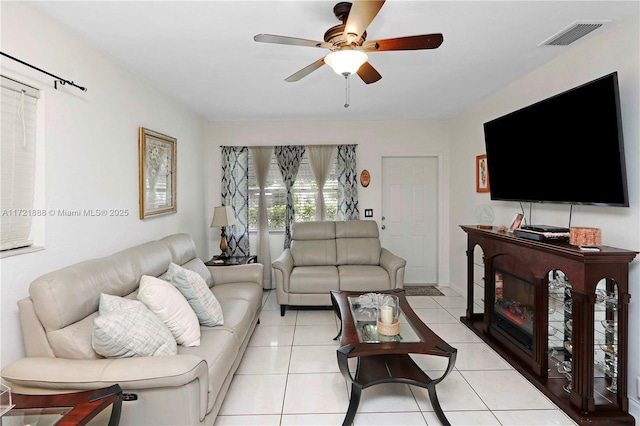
(183,389)
(327,256)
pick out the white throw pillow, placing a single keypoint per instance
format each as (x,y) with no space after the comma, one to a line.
(164,300)
(195,290)
(126,328)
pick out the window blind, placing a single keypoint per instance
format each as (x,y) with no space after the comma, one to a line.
(17,160)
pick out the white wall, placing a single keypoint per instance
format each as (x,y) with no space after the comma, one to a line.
(616,49)
(91,160)
(375,140)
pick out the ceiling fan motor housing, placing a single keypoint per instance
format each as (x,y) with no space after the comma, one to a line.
(336,36)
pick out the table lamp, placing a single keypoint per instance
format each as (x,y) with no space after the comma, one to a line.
(223,216)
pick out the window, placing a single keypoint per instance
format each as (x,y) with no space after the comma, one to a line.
(18,162)
(305,190)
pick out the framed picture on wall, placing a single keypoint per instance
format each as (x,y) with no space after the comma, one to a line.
(157,181)
(482,174)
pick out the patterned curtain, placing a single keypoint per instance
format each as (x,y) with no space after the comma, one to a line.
(347,183)
(235,193)
(289,159)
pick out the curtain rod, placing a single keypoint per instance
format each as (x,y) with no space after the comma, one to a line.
(57,79)
(273,146)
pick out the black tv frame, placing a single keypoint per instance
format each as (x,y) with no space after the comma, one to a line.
(623,184)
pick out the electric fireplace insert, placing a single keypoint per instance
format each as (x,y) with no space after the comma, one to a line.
(513,309)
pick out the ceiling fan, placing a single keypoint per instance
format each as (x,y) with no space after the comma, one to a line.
(348,42)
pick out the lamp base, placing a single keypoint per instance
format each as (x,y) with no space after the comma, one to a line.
(223,245)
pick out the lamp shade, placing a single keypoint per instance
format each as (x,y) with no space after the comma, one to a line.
(223,216)
(346,62)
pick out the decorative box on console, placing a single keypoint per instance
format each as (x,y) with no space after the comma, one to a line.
(588,237)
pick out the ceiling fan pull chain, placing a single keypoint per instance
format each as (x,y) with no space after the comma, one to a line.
(348,101)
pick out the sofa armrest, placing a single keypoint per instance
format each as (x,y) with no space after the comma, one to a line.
(129,373)
(283,266)
(235,274)
(394,266)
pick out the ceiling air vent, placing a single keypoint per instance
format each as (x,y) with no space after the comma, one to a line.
(572,33)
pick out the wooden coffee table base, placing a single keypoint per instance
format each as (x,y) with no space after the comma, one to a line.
(390,368)
(381,361)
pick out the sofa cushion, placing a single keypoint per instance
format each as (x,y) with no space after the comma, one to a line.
(70,294)
(314,253)
(312,231)
(219,349)
(166,301)
(357,243)
(238,318)
(357,229)
(227,293)
(127,328)
(195,290)
(358,251)
(197,265)
(313,243)
(183,252)
(181,246)
(314,279)
(74,341)
(363,278)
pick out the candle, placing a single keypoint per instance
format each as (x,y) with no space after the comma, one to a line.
(386,315)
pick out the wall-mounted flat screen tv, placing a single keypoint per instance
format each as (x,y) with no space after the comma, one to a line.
(564,149)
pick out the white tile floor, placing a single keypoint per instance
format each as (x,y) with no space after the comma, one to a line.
(289,376)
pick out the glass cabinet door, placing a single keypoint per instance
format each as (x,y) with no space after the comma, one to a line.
(605,336)
(560,328)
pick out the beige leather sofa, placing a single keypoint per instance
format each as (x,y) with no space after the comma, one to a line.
(327,256)
(183,389)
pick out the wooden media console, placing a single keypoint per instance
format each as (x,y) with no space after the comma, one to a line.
(559,315)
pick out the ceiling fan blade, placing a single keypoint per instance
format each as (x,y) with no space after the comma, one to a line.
(361,15)
(425,41)
(368,74)
(291,41)
(305,71)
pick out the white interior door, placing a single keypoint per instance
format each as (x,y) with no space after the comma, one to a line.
(409,215)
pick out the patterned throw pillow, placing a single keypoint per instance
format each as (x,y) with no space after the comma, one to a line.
(126,328)
(164,300)
(195,290)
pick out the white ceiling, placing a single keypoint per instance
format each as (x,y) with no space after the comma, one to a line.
(203,53)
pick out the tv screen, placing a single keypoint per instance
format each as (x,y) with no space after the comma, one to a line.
(564,149)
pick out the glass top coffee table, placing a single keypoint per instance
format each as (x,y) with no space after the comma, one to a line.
(383,358)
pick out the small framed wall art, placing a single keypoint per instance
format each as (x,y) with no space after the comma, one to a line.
(365,178)
(516,222)
(482,174)
(157,181)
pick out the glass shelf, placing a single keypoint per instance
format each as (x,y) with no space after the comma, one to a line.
(560,323)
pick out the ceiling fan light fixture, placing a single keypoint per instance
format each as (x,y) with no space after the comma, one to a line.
(346,62)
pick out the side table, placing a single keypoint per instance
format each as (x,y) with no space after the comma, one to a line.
(67,409)
(232,260)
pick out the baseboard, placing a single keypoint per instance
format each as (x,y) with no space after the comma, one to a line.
(634,408)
